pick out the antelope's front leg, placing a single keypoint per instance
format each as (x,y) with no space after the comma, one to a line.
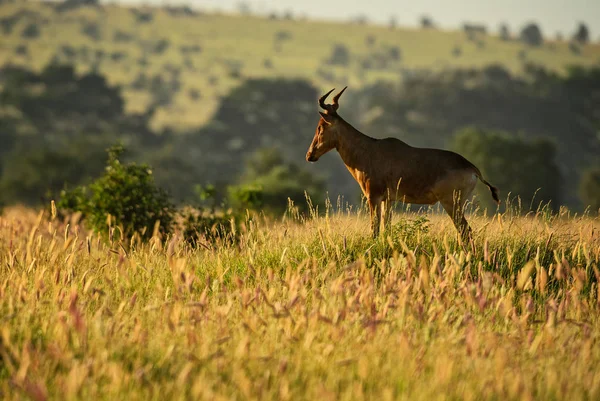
(387,215)
(375,206)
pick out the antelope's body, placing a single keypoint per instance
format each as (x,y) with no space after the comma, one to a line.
(389,170)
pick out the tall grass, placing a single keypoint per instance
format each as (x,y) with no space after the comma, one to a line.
(303,308)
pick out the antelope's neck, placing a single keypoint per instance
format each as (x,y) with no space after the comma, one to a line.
(354,147)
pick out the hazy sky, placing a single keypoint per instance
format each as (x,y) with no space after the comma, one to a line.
(551,15)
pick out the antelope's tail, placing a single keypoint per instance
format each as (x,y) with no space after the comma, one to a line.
(492,188)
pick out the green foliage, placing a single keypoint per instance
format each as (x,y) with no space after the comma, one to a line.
(589,188)
(410,228)
(31,172)
(53,129)
(340,55)
(199,226)
(125,197)
(212,221)
(259,113)
(280,181)
(523,168)
(31,31)
(245,196)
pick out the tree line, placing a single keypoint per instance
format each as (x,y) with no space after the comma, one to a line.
(535,136)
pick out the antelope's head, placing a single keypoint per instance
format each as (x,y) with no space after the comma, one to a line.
(326,135)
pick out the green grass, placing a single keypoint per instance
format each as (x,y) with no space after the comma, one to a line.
(303,309)
(250,41)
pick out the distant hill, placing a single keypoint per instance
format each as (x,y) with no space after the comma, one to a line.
(182,62)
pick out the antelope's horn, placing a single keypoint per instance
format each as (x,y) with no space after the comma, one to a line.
(336,98)
(322,100)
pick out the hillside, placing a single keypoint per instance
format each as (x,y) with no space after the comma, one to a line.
(183,61)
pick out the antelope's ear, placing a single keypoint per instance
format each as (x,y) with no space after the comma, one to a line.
(326,117)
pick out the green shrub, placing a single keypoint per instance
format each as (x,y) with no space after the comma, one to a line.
(125,197)
(589,188)
(280,181)
(212,221)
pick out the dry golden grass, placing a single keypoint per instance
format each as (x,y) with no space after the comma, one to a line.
(309,309)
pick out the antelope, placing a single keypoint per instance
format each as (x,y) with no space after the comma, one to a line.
(390,170)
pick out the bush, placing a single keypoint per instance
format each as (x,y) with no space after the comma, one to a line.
(125,197)
(504,32)
(142,17)
(21,50)
(394,53)
(281,36)
(340,55)
(31,31)
(589,188)
(194,94)
(280,181)
(160,46)
(121,36)
(427,22)
(574,48)
(92,30)
(212,221)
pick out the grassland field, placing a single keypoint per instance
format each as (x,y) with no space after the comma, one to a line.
(303,308)
(299,307)
(236,47)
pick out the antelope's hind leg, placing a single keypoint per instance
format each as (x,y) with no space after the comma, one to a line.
(375,207)
(455,209)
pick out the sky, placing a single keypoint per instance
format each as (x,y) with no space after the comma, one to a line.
(551,15)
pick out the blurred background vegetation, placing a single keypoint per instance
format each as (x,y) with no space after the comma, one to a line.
(229,100)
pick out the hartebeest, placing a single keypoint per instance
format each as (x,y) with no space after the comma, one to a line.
(390,170)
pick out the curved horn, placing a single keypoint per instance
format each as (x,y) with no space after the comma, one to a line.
(322,99)
(336,98)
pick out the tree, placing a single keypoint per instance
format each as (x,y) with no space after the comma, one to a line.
(244,8)
(532,35)
(504,32)
(582,35)
(31,31)
(67,5)
(427,22)
(589,188)
(340,55)
(523,168)
(32,173)
(56,100)
(61,122)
